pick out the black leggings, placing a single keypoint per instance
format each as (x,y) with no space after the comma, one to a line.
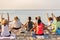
(39,34)
(16,28)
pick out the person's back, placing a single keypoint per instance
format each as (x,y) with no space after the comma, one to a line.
(30,25)
(40,29)
(58,24)
(55,24)
(5,31)
(16,23)
(58,27)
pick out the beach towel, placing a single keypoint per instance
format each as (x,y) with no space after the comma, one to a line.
(12,37)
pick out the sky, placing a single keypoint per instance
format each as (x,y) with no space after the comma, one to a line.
(39,5)
(29,4)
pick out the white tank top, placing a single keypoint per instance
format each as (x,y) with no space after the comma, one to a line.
(16,24)
(5,31)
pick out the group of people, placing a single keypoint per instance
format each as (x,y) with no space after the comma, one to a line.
(54,23)
(37,26)
(5,25)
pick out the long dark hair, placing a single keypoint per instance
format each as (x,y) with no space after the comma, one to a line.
(39,20)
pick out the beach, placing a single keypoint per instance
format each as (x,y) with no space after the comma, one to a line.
(27,36)
(23,14)
(29,19)
(24,35)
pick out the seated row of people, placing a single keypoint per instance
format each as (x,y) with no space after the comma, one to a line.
(37,26)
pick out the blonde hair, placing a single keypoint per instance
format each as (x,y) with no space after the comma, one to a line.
(4,22)
(16,18)
(39,17)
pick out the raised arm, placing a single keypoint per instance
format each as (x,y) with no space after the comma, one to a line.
(1,16)
(8,18)
(54,17)
(47,16)
(26,24)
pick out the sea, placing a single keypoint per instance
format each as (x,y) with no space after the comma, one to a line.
(24,14)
